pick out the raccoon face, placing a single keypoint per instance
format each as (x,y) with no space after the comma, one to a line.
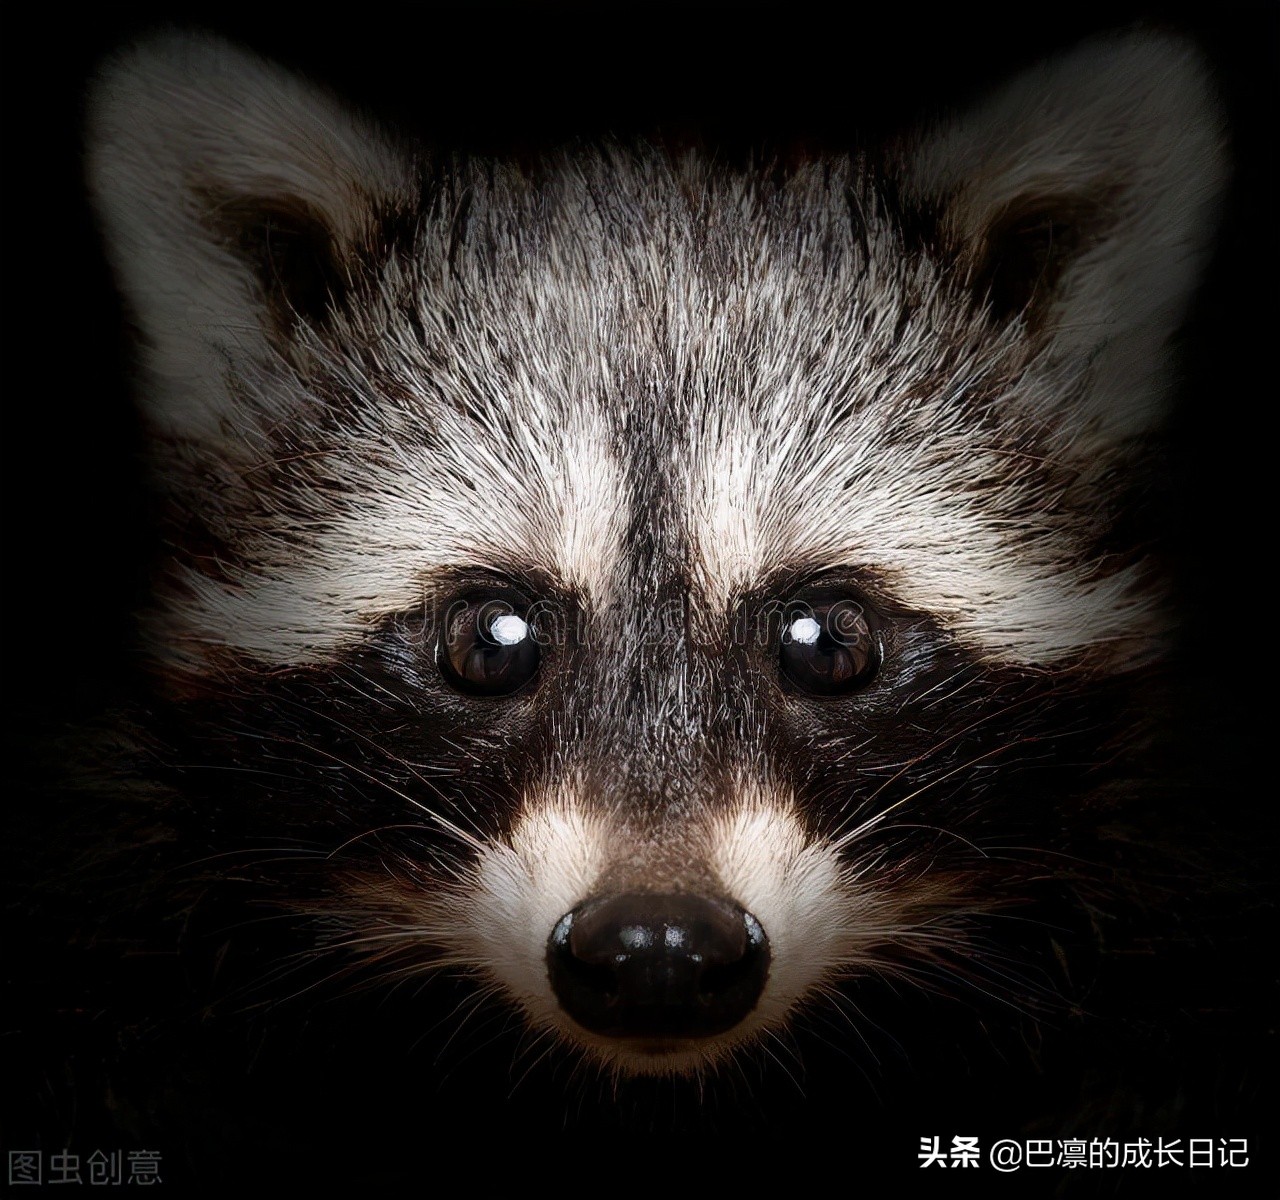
(643,585)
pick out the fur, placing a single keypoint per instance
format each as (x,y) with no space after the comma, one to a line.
(653,393)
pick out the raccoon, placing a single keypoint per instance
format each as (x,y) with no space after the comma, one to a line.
(680,599)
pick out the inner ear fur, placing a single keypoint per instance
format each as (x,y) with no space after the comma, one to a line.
(1018,263)
(288,245)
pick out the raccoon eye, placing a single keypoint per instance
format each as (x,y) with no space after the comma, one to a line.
(829,649)
(488,648)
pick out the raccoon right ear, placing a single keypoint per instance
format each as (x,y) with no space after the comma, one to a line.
(237,200)
(1081,199)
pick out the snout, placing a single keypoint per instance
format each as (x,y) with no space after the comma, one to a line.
(645,965)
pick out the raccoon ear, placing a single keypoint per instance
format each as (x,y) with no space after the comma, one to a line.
(236,201)
(1081,198)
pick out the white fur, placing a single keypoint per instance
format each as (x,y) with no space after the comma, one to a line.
(522,887)
(921,518)
(414,522)
(825,919)
(812,395)
(796,887)
(816,405)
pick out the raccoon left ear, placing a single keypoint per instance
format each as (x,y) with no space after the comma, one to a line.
(1081,198)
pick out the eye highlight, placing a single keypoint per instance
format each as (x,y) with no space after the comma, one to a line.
(829,648)
(488,647)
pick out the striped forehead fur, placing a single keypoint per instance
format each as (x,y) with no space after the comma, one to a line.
(822,397)
(929,462)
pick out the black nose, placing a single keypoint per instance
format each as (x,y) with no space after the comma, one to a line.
(646,965)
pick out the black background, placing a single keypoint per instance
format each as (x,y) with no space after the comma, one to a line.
(497,78)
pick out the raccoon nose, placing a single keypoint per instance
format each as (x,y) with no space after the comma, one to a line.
(645,965)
